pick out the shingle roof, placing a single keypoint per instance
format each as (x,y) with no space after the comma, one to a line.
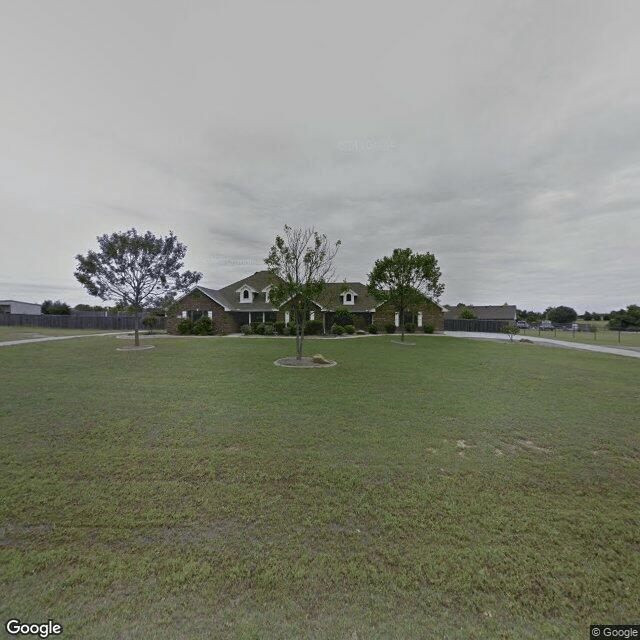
(230,298)
(330,299)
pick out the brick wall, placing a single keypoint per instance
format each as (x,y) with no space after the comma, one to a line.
(431,314)
(196,301)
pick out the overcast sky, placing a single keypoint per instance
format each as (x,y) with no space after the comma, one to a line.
(503,136)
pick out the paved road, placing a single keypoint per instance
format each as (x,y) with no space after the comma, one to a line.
(556,343)
(11,343)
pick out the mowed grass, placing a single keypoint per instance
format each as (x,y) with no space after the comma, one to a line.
(22,332)
(454,489)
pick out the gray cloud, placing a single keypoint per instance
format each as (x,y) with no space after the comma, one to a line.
(500,136)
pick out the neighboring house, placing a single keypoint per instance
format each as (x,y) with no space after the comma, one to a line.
(247,301)
(491,312)
(13,306)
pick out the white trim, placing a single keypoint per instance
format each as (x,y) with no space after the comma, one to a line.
(419,318)
(210,314)
(312,315)
(349,292)
(397,319)
(286,317)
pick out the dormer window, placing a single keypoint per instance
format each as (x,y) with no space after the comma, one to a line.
(246,293)
(266,292)
(349,297)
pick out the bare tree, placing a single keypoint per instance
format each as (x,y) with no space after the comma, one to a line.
(301,263)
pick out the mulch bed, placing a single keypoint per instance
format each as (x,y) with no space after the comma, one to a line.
(304,363)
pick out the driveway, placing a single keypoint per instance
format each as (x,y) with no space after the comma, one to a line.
(629,353)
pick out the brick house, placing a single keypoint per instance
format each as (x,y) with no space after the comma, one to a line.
(247,301)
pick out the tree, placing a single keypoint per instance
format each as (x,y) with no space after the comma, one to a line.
(467,314)
(561,315)
(300,264)
(405,280)
(625,319)
(57,308)
(343,317)
(134,270)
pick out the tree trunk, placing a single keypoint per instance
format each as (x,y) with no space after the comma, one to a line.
(299,334)
(136,330)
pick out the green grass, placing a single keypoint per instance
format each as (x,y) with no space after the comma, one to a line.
(10,333)
(457,488)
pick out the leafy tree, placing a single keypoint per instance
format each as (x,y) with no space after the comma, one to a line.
(57,308)
(561,315)
(467,314)
(405,280)
(300,264)
(343,317)
(150,321)
(134,270)
(625,319)
(512,331)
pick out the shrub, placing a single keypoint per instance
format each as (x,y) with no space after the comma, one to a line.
(349,328)
(409,327)
(246,329)
(337,330)
(373,329)
(150,321)
(343,317)
(279,327)
(255,325)
(185,327)
(286,330)
(203,326)
(260,329)
(313,327)
(390,327)
(268,329)
(429,328)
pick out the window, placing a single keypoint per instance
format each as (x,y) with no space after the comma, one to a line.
(245,294)
(348,297)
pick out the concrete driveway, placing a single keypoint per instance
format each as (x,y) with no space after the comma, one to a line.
(629,353)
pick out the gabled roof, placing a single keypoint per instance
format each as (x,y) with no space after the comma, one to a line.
(331,299)
(486,312)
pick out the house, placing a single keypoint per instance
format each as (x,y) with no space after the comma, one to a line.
(505,312)
(14,306)
(247,301)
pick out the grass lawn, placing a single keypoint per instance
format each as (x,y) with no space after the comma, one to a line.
(454,489)
(10,333)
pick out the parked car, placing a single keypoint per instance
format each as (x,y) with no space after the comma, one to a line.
(546,325)
(523,324)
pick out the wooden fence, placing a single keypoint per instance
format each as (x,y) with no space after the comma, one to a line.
(482,326)
(123,323)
